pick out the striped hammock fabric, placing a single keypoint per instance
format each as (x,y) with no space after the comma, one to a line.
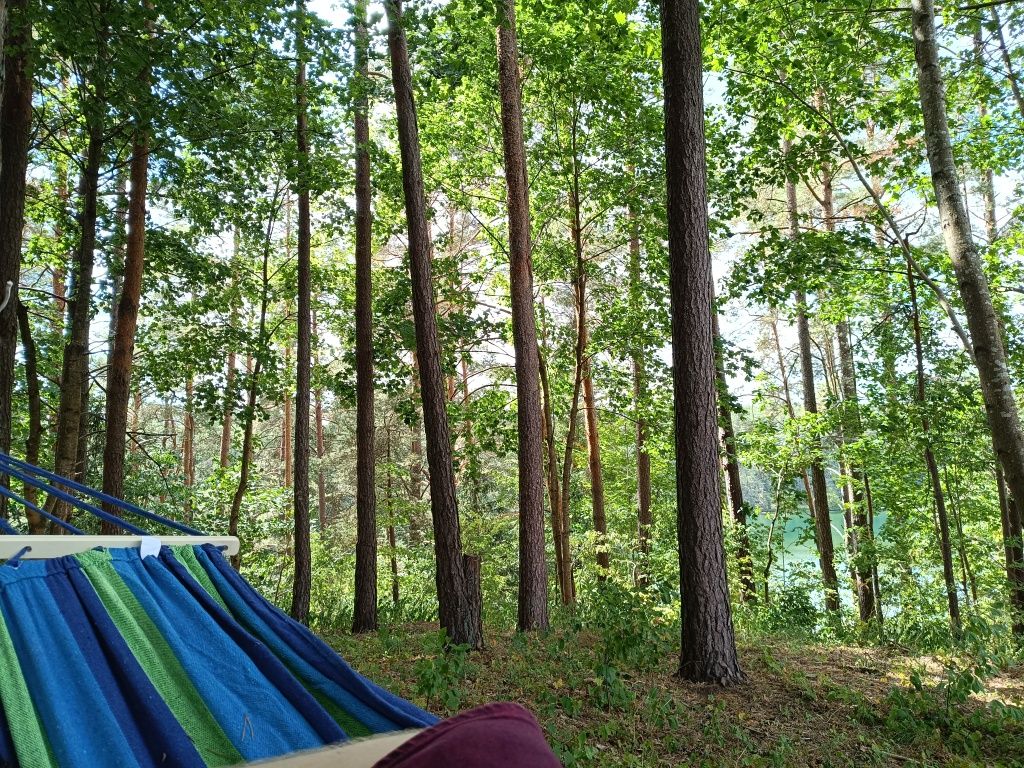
(111,659)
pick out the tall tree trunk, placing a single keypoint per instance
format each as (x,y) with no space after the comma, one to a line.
(820,508)
(559,522)
(640,395)
(459,615)
(188,445)
(982,319)
(229,377)
(287,426)
(533,577)
(364,617)
(15,131)
(933,468)
(860,534)
(36,522)
(76,350)
(596,473)
(708,652)
(116,259)
(392,538)
(255,369)
(788,398)
(119,371)
(733,485)
(1014,554)
(1011,74)
(301,584)
(584,374)
(321,451)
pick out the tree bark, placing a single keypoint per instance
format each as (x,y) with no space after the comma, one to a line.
(321,450)
(36,522)
(820,512)
(733,485)
(249,415)
(1011,74)
(365,612)
(301,584)
(982,319)
(15,132)
(392,538)
(859,531)
(287,426)
(533,577)
(596,473)
(640,395)
(229,379)
(188,445)
(119,370)
(75,367)
(559,520)
(933,468)
(459,617)
(708,652)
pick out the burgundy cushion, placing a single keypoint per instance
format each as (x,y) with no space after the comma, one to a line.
(500,735)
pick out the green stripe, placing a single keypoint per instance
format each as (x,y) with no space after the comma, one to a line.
(157,659)
(187,557)
(30,742)
(353,727)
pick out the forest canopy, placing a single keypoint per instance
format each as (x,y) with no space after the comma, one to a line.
(509,316)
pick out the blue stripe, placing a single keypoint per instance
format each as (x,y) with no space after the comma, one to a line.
(145,718)
(269,664)
(80,725)
(309,656)
(259,718)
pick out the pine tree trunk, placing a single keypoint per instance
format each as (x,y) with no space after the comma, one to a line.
(982,319)
(392,538)
(321,451)
(860,534)
(708,652)
(733,485)
(364,617)
(119,371)
(1011,73)
(820,512)
(596,474)
(76,350)
(188,445)
(787,396)
(15,131)
(640,395)
(533,578)
(459,616)
(36,522)
(255,369)
(559,523)
(933,468)
(301,584)
(229,380)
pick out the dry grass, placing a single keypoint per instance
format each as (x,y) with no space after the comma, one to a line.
(802,705)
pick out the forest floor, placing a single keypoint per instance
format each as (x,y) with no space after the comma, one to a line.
(803,704)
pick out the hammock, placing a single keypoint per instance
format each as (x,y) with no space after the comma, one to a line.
(148,655)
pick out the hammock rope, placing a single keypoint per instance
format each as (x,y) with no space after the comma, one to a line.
(30,474)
